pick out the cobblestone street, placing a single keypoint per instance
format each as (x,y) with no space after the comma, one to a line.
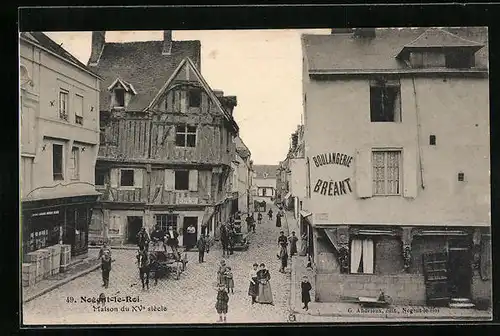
(191,299)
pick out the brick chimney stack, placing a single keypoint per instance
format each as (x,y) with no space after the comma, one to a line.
(98,42)
(167,42)
(229,103)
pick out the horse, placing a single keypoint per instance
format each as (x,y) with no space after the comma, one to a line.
(144,263)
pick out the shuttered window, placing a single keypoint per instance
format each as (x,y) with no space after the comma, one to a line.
(386,172)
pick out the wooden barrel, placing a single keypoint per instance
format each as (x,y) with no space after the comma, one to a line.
(56,258)
(46,262)
(65,257)
(28,274)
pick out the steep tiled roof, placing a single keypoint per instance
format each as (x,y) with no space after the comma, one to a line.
(47,43)
(142,65)
(265,171)
(348,53)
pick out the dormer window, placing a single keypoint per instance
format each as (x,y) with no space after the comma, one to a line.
(194,97)
(457,59)
(121,92)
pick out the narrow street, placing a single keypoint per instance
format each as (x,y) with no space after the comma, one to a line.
(191,299)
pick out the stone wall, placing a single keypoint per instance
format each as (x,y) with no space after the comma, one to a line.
(481,292)
(403,288)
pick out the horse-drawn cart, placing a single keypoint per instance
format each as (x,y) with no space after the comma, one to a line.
(166,263)
(241,241)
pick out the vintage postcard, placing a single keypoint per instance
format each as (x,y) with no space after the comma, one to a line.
(255,176)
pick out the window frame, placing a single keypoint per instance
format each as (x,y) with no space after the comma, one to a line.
(175,179)
(123,187)
(374,243)
(75,161)
(79,114)
(192,93)
(63,112)
(117,92)
(59,176)
(185,133)
(164,219)
(385,151)
(396,106)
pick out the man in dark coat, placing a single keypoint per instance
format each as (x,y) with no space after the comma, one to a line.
(224,239)
(105,268)
(143,239)
(173,240)
(305,287)
(201,244)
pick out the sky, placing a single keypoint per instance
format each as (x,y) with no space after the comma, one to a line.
(263,68)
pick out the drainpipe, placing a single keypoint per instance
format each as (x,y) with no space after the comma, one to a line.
(418,134)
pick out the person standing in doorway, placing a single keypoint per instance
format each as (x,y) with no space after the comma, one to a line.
(201,244)
(253,288)
(306,287)
(293,244)
(106,268)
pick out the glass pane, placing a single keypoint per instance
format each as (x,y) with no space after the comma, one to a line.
(180,129)
(180,140)
(191,129)
(191,140)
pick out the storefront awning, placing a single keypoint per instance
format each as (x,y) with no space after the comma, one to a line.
(207,216)
(75,189)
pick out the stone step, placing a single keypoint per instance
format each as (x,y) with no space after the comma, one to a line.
(460,300)
(461,305)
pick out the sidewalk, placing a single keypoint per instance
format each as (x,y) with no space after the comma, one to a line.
(75,270)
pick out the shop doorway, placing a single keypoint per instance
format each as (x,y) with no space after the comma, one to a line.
(134,225)
(190,231)
(460,270)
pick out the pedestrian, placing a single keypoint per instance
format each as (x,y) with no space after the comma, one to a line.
(200,244)
(278,219)
(105,268)
(293,243)
(305,286)
(259,218)
(173,241)
(232,239)
(265,294)
(253,288)
(222,303)
(229,280)
(221,273)
(105,247)
(224,239)
(208,242)
(303,244)
(270,214)
(283,256)
(282,243)
(249,223)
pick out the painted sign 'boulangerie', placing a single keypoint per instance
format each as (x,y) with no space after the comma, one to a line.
(332,158)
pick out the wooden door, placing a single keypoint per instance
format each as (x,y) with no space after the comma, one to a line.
(435,267)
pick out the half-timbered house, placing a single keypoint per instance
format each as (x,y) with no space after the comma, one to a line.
(166,141)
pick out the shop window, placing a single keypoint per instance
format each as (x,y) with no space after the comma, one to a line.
(385,103)
(182,180)
(126,177)
(386,172)
(362,256)
(166,220)
(185,136)
(57,162)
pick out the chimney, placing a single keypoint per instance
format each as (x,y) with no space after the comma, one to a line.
(167,42)
(219,93)
(295,138)
(364,32)
(98,42)
(341,31)
(229,103)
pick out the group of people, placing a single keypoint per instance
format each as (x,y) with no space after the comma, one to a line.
(283,243)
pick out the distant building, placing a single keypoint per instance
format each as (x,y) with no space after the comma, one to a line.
(59,126)
(397,164)
(167,141)
(243,177)
(265,182)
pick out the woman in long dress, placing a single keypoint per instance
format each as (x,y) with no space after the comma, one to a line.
(253,288)
(265,292)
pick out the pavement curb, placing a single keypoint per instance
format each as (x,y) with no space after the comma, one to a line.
(61,282)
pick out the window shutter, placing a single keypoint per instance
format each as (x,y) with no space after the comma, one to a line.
(114,176)
(193,180)
(169,179)
(138,178)
(363,173)
(410,167)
